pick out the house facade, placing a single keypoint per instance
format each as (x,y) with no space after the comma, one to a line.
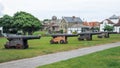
(78,28)
(112,21)
(72,25)
(117,27)
(104,23)
(52,25)
(94,26)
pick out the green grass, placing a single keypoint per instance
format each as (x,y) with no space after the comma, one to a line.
(42,33)
(42,46)
(109,58)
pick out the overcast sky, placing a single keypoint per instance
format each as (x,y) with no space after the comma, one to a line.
(89,10)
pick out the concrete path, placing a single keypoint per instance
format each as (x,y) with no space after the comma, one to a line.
(51,58)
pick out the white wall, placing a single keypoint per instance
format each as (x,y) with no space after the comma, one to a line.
(117,29)
(104,24)
(114,20)
(101,27)
(71,30)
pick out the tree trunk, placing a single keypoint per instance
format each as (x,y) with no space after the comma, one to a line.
(24,32)
(30,32)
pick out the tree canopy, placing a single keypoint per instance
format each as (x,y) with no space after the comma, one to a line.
(26,22)
(108,28)
(7,22)
(20,21)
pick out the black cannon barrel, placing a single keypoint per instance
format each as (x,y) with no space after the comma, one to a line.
(93,33)
(23,37)
(110,32)
(67,35)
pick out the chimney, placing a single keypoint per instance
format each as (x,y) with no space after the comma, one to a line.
(73,16)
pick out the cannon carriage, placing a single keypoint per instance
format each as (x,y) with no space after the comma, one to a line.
(61,38)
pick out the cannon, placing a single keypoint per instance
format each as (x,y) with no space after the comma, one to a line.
(105,34)
(19,41)
(61,38)
(87,35)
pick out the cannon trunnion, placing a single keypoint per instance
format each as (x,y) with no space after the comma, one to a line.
(19,41)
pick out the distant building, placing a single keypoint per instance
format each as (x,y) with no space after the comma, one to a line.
(78,28)
(52,25)
(72,24)
(112,21)
(92,24)
(117,27)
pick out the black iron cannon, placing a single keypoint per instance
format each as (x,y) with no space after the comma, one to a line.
(105,34)
(61,38)
(19,41)
(87,35)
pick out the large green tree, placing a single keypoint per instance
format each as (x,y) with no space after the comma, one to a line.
(7,23)
(26,22)
(108,28)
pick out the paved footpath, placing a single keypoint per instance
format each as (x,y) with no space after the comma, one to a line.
(51,58)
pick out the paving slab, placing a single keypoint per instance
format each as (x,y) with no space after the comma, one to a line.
(51,58)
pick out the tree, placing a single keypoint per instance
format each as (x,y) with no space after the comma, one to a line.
(7,23)
(108,28)
(26,22)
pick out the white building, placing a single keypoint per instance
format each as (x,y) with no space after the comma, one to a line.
(104,23)
(78,28)
(117,27)
(112,21)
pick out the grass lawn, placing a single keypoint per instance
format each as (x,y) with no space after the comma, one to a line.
(109,58)
(42,46)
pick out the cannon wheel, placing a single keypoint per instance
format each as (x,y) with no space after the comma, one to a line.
(19,46)
(80,39)
(7,45)
(26,46)
(51,42)
(62,42)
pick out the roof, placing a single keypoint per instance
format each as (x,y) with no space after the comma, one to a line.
(79,25)
(73,19)
(109,21)
(114,17)
(118,24)
(91,24)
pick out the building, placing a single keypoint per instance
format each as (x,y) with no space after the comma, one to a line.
(78,28)
(104,23)
(52,25)
(92,24)
(117,27)
(111,21)
(73,25)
